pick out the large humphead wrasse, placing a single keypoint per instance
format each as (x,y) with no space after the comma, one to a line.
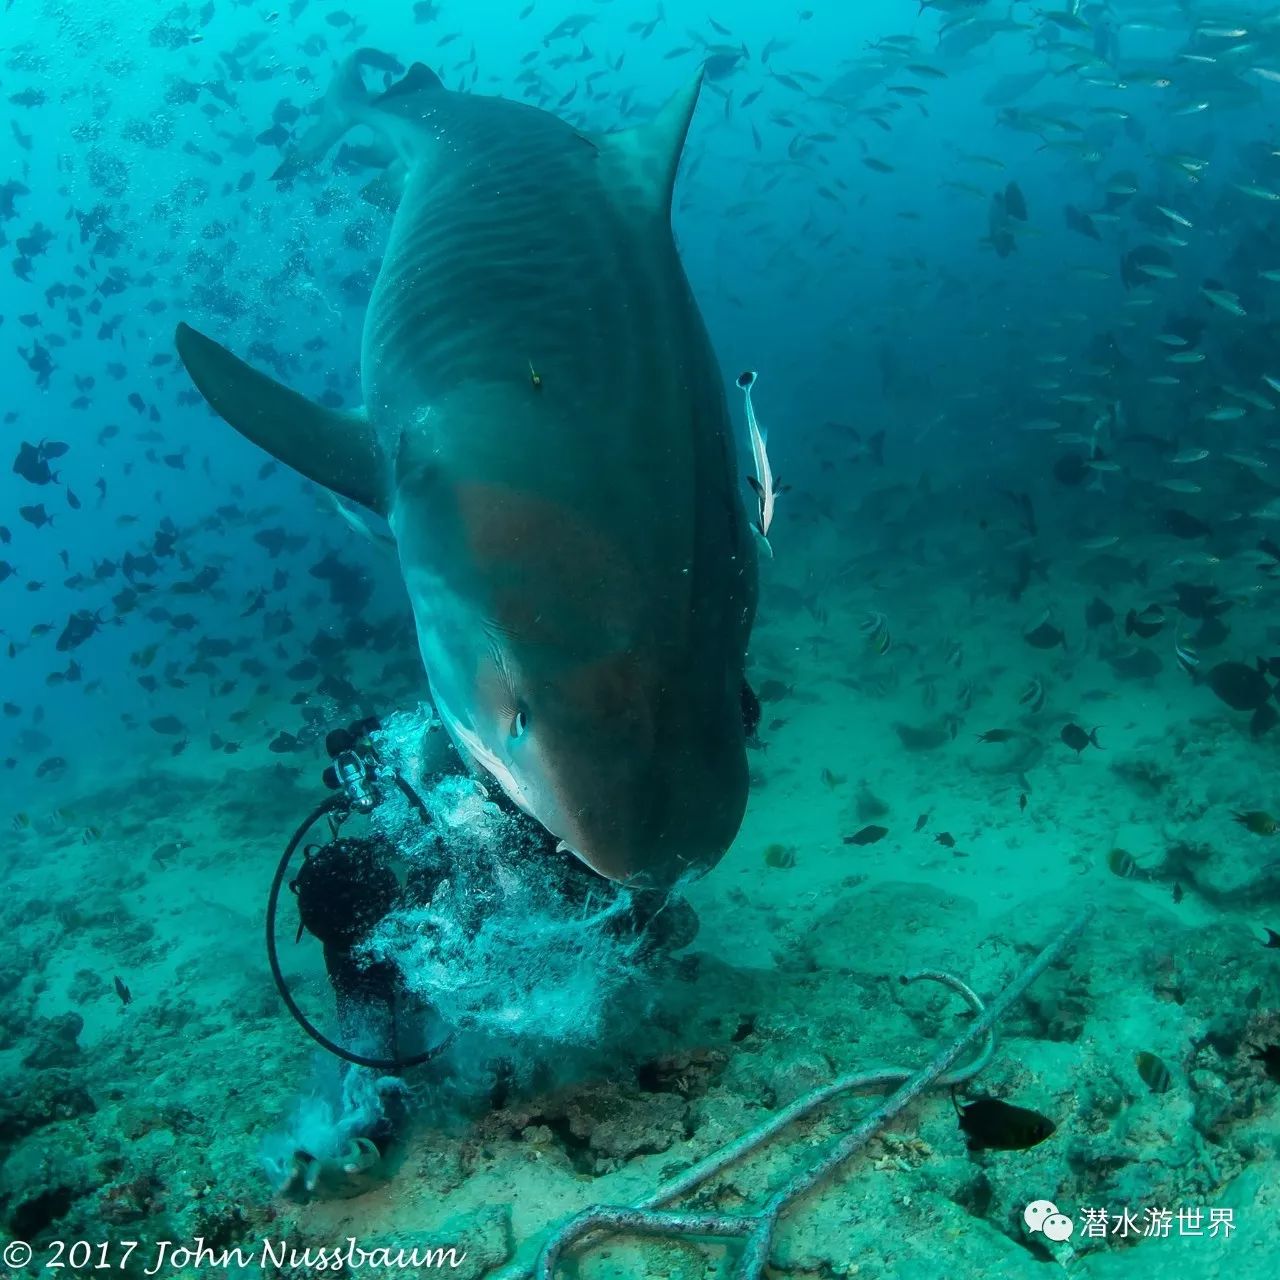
(545,429)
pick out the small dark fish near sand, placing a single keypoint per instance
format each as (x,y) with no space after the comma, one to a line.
(1146,623)
(1045,636)
(126,996)
(1120,862)
(1153,1073)
(1033,696)
(990,1124)
(1077,739)
(868,835)
(1258,822)
(1098,613)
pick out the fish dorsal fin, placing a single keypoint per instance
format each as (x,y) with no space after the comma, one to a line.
(645,159)
(418,79)
(335,449)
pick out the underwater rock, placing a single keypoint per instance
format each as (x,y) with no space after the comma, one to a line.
(617,1128)
(925,737)
(484,1235)
(819,1239)
(1227,1082)
(55,1042)
(928,922)
(1136,663)
(600,1125)
(790,1080)
(1142,773)
(441,1166)
(1016,754)
(1216,863)
(35,1101)
(135,1120)
(32,1216)
(689,1073)
(131,1199)
(1059,1007)
(87,985)
(45,1178)
(868,805)
(11,974)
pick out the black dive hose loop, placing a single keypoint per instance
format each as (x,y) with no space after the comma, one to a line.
(329,805)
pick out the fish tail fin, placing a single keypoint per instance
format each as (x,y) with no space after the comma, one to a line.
(1093,738)
(339,109)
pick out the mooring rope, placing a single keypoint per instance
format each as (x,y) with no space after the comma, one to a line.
(648,1218)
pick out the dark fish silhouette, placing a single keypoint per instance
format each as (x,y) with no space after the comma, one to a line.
(1045,636)
(33,465)
(1098,613)
(868,835)
(80,626)
(1077,739)
(1269,1056)
(36,515)
(990,1124)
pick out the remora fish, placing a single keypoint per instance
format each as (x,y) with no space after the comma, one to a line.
(764,483)
(581,571)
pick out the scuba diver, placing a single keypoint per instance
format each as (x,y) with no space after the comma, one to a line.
(347,885)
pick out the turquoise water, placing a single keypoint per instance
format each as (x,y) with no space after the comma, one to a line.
(500,760)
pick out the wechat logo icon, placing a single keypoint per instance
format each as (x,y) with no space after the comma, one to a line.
(1043,1215)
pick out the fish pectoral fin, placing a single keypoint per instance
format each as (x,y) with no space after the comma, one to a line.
(335,449)
(644,160)
(385,190)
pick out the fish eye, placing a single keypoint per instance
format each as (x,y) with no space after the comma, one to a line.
(519,723)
